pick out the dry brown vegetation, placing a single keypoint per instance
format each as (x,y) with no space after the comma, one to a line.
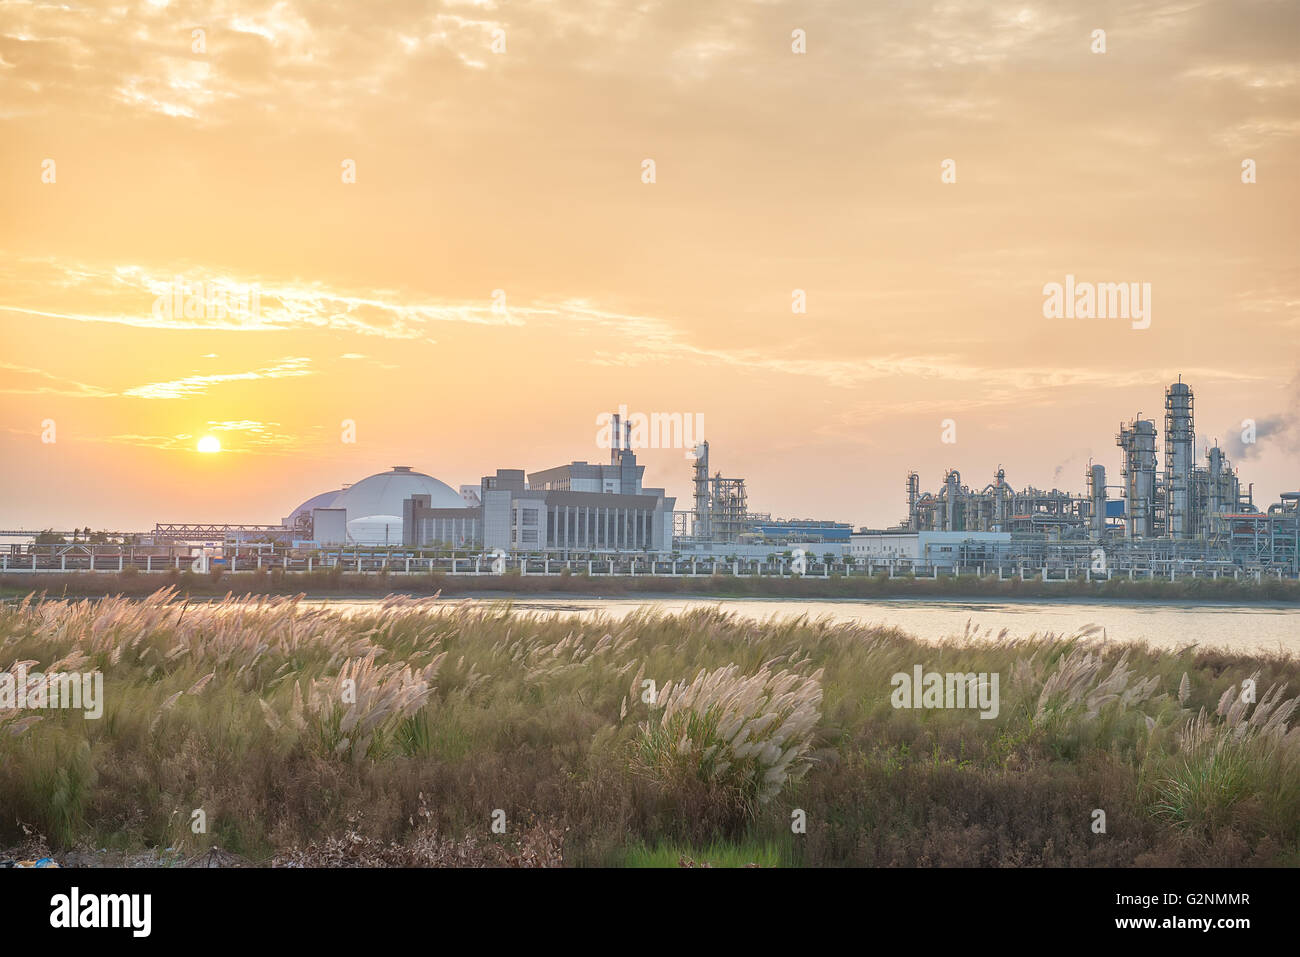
(390,736)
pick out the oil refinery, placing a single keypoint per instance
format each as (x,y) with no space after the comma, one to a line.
(1167,517)
(1181,516)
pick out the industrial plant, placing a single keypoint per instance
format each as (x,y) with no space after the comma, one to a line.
(1160,520)
(1166,519)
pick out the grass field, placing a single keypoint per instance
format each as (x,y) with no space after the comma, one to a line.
(401,735)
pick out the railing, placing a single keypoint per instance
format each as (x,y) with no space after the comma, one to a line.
(122,561)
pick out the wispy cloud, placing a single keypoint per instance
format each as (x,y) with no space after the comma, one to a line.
(198,384)
(132,295)
(24,380)
(239,436)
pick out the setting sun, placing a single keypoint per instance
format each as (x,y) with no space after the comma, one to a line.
(209,443)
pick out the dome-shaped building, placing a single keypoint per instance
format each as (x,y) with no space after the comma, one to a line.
(316,501)
(373,506)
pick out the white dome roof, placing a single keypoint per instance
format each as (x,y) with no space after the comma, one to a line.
(316,501)
(374,505)
(384,492)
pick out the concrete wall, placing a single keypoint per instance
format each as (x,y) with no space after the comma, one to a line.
(928,548)
(329,525)
(496,518)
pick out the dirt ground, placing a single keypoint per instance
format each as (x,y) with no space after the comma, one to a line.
(538,846)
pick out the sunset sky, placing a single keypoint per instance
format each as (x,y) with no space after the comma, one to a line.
(521,171)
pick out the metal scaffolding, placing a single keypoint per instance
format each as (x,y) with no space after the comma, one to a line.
(1183,514)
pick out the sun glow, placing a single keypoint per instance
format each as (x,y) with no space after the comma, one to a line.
(209,443)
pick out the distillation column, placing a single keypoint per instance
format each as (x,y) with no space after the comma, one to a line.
(913,495)
(952,491)
(1180,443)
(1138,440)
(1097,496)
(701,530)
